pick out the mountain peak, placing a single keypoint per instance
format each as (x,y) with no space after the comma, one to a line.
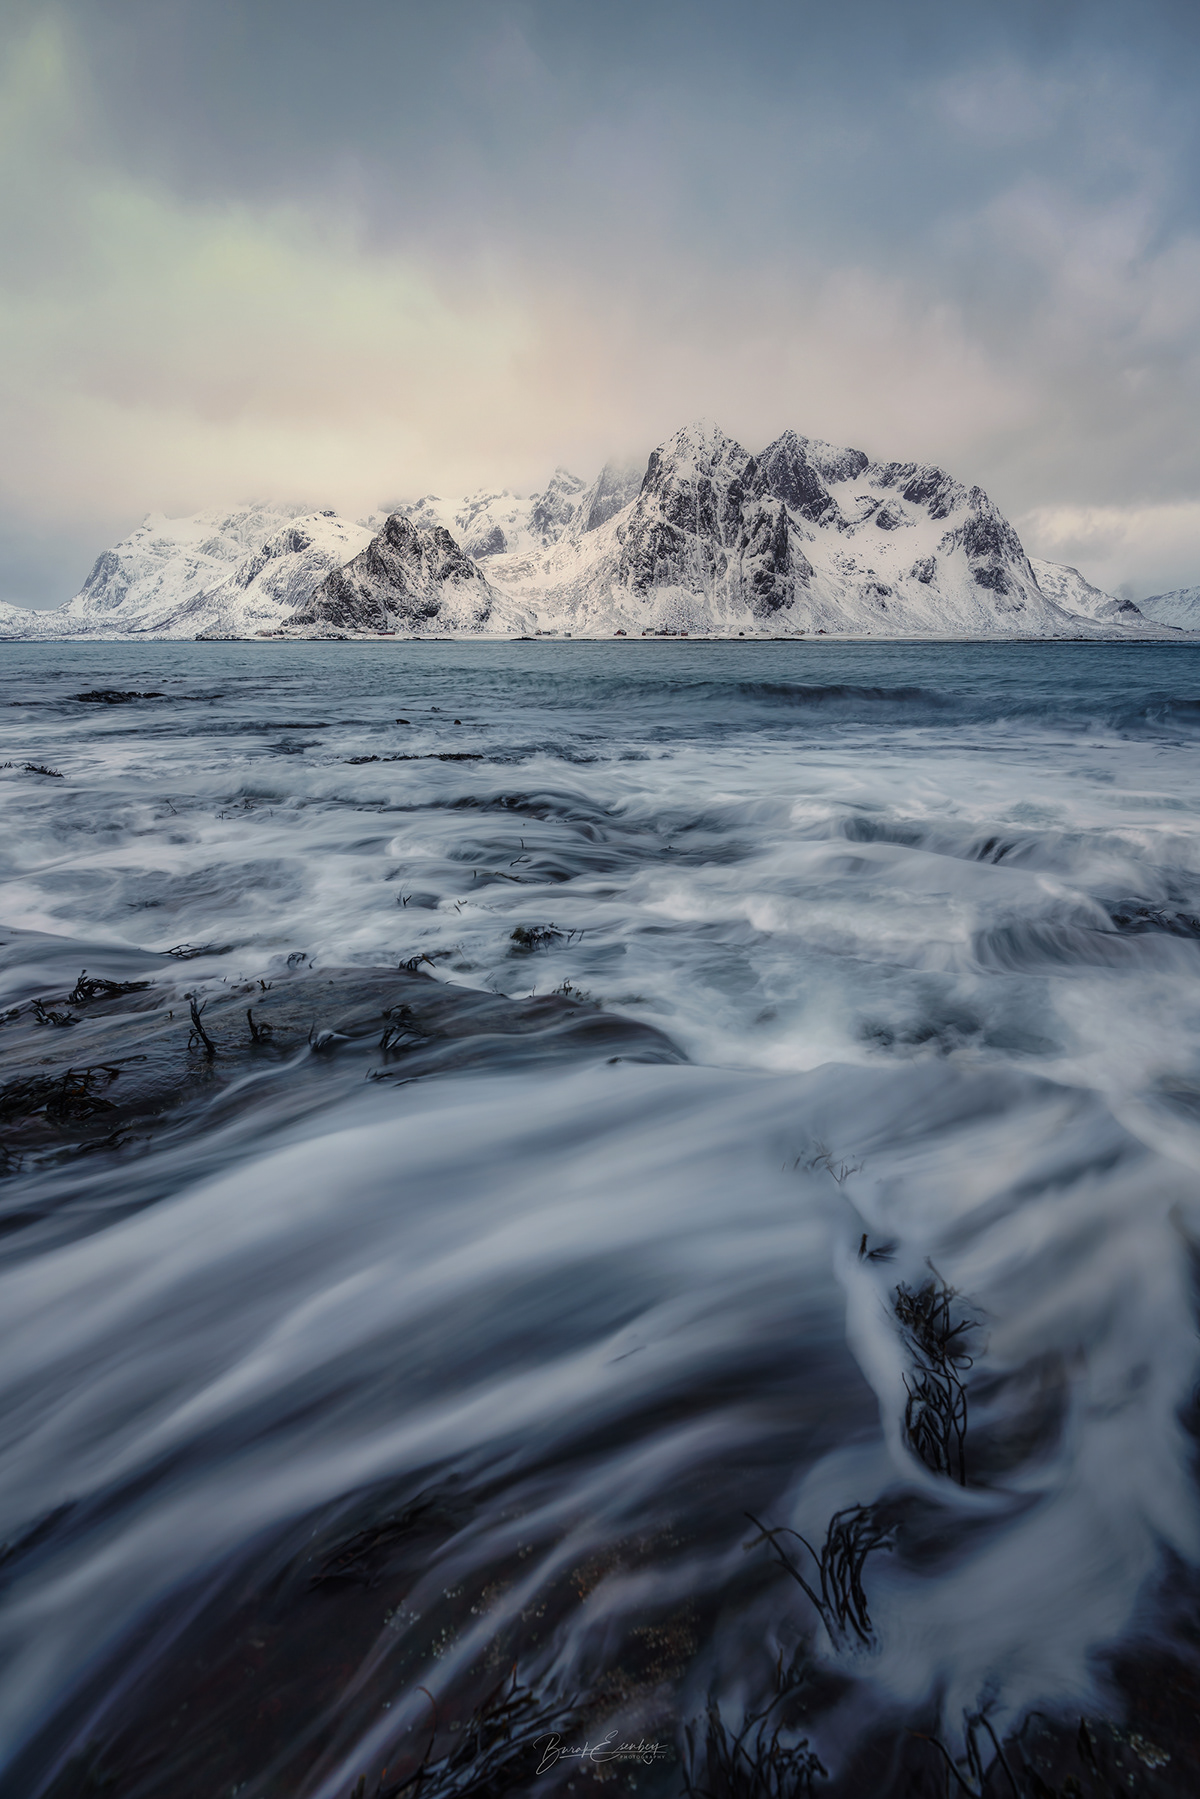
(702,440)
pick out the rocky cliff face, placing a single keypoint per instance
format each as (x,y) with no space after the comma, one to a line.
(551,513)
(406,579)
(614,487)
(704,522)
(265,589)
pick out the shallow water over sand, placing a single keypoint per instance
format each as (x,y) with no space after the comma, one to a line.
(424,1328)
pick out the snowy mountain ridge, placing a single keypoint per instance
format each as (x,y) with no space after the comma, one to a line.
(1180,608)
(1068,588)
(804,537)
(704,538)
(500,524)
(224,574)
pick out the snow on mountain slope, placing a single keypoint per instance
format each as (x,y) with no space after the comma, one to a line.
(407,578)
(282,575)
(1068,589)
(225,574)
(1180,607)
(482,524)
(804,537)
(142,583)
(23,622)
(500,524)
(497,524)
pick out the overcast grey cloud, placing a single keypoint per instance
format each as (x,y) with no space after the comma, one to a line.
(334,253)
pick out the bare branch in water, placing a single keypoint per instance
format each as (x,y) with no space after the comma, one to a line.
(69,1096)
(259,1033)
(756,1763)
(822,1158)
(44,1015)
(935,1415)
(982,1768)
(90,987)
(495,1752)
(528,938)
(568,990)
(351,1561)
(853,1534)
(199,1034)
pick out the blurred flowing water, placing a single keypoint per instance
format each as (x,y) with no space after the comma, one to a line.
(367,1372)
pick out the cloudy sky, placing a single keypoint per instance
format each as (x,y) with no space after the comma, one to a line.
(346,252)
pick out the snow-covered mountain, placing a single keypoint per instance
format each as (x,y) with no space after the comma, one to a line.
(705,537)
(23,622)
(407,578)
(1068,588)
(221,574)
(145,582)
(265,589)
(1180,607)
(804,537)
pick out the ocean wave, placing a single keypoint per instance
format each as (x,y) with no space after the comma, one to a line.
(840,693)
(594,1079)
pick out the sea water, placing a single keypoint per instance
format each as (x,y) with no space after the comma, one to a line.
(916,929)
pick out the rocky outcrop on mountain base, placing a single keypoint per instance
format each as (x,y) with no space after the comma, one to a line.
(407,578)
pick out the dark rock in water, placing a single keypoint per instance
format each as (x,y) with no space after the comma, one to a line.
(116,696)
(1137,917)
(429,756)
(260,1676)
(275,1664)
